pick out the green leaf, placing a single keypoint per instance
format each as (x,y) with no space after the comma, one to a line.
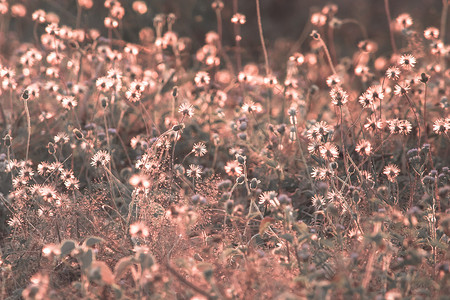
(67,247)
(90,241)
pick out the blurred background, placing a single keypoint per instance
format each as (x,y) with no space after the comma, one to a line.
(283,21)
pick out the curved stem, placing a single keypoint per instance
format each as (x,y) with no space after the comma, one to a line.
(391,33)
(27,112)
(261,36)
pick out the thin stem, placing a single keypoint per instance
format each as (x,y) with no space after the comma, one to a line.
(237,36)
(261,36)
(391,33)
(219,27)
(425,114)
(327,54)
(443,20)
(417,118)
(343,144)
(27,112)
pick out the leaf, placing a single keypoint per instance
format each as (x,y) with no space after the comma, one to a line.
(272,163)
(101,268)
(86,259)
(122,266)
(90,241)
(67,247)
(265,223)
(146,260)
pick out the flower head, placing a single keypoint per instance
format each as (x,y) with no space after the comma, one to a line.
(101,158)
(199,149)
(393,73)
(407,61)
(194,171)
(186,109)
(391,171)
(338,96)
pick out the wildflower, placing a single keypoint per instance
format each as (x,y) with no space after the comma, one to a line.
(391,171)
(322,128)
(66,174)
(48,193)
(194,171)
(133,95)
(375,92)
(72,183)
(366,100)
(318,201)
(101,158)
(270,81)
(26,173)
(401,89)
(292,112)
(393,73)
(104,84)
(318,19)
(61,137)
(441,125)
(249,107)
(405,127)
(335,196)
(233,168)
(238,18)
(269,198)
(431,33)
(52,29)
(329,151)
(186,109)
(86,4)
(139,181)
(14,222)
(43,169)
(30,93)
(373,123)
(407,61)
(139,229)
(338,96)
(39,16)
(368,46)
(51,250)
(69,102)
(397,126)
(404,21)
(333,80)
(199,149)
(364,147)
(314,147)
(298,58)
(202,79)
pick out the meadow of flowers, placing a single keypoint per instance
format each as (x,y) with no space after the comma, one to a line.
(140,163)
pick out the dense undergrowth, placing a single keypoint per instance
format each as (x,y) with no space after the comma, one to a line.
(158,170)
